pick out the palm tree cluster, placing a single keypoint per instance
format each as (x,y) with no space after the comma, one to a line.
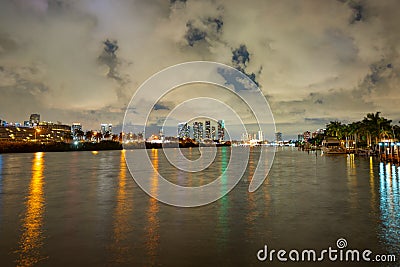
(95,136)
(366,132)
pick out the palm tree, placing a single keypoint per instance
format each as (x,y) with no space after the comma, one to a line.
(107,135)
(89,135)
(375,125)
(334,128)
(115,137)
(396,131)
(98,136)
(79,134)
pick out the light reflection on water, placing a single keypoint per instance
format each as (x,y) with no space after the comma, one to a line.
(32,238)
(1,187)
(93,199)
(121,225)
(390,206)
(372,186)
(1,174)
(152,235)
(223,223)
(352,180)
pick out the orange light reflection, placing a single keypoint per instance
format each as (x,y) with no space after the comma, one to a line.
(32,238)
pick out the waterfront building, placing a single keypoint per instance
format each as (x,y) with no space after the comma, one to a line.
(57,132)
(213,133)
(221,130)
(34,119)
(76,128)
(208,129)
(15,133)
(278,137)
(106,128)
(260,136)
(183,130)
(197,130)
(201,131)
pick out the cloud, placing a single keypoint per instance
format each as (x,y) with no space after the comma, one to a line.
(336,59)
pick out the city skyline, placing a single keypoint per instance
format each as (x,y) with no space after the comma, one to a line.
(82,61)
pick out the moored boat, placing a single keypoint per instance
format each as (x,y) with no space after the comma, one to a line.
(331,145)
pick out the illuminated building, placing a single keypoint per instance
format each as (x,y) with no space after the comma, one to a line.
(278,137)
(260,136)
(208,129)
(221,130)
(75,128)
(14,133)
(183,130)
(213,134)
(34,119)
(197,130)
(57,132)
(106,128)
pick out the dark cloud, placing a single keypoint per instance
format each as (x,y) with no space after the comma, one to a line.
(159,106)
(358,12)
(239,83)
(240,58)
(194,34)
(175,1)
(110,59)
(215,24)
(379,71)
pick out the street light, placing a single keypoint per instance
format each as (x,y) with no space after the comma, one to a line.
(36,131)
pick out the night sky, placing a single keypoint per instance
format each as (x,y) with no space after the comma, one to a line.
(315,61)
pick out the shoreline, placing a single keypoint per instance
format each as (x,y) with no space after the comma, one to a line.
(29,147)
(25,147)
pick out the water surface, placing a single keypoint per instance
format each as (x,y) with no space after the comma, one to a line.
(84,209)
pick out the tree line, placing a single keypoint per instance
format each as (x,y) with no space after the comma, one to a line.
(367,132)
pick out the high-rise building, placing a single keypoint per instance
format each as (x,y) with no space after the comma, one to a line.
(278,137)
(106,127)
(76,127)
(260,136)
(213,134)
(221,130)
(208,130)
(34,119)
(201,131)
(198,130)
(300,137)
(195,130)
(183,130)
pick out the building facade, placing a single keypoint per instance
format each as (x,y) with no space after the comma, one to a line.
(34,119)
(183,130)
(221,130)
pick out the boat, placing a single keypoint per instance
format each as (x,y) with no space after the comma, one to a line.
(331,145)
